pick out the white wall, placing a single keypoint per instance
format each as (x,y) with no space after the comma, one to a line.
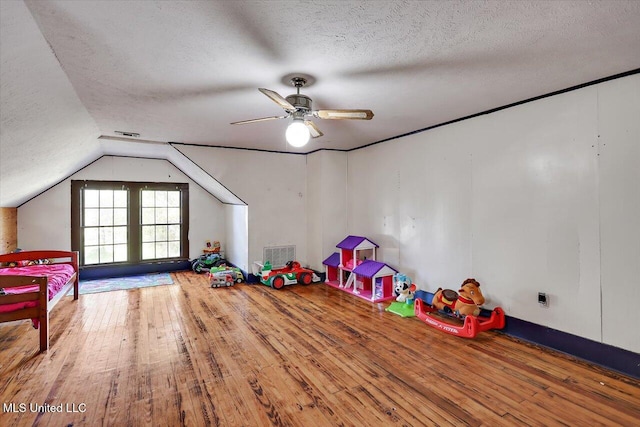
(45,221)
(273,185)
(326,204)
(526,199)
(237,236)
(619,181)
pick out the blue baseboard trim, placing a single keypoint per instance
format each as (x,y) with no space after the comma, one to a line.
(92,273)
(607,356)
(252,278)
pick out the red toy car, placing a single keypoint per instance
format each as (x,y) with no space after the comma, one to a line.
(290,274)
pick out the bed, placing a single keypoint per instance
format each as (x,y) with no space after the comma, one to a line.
(31,291)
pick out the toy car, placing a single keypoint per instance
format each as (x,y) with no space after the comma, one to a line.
(290,274)
(236,273)
(222,278)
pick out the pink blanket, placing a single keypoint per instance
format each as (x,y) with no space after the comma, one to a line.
(57,274)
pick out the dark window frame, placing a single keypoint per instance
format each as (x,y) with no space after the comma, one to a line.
(134,223)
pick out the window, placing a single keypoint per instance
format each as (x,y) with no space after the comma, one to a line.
(160,224)
(105,214)
(129,222)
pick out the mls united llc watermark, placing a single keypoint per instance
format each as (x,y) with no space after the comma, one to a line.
(42,408)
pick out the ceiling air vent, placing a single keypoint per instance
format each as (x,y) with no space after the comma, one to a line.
(129,134)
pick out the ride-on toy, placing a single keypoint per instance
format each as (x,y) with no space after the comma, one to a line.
(290,274)
(458,313)
(205,262)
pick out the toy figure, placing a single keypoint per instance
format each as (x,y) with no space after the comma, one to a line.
(403,288)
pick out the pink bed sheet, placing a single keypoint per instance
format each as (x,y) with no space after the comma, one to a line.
(58,275)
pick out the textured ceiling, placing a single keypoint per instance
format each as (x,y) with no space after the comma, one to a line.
(182,71)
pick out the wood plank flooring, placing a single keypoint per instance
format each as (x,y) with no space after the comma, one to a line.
(248,355)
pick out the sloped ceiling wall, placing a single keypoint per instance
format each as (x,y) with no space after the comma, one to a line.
(160,150)
(45,131)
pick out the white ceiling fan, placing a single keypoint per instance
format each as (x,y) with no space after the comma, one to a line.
(299,109)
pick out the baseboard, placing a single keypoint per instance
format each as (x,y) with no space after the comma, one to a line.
(252,278)
(103,272)
(607,356)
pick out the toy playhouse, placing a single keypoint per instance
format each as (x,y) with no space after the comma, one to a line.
(331,268)
(355,270)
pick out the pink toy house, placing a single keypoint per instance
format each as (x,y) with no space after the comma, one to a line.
(354,250)
(355,270)
(374,281)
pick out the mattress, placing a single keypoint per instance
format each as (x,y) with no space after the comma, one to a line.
(57,275)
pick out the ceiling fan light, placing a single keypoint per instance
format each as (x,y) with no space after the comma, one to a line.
(297,134)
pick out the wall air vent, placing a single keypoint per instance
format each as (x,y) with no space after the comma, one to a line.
(278,256)
(129,134)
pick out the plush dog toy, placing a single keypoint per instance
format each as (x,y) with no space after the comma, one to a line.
(403,288)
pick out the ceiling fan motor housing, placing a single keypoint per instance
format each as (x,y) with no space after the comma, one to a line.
(302,102)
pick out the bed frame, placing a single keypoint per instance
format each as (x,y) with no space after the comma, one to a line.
(41,311)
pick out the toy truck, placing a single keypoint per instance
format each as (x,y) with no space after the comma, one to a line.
(222,278)
(236,273)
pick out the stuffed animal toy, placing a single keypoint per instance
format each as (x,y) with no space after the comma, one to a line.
(403,288)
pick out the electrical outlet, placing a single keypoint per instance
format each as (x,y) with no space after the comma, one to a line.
(543,299)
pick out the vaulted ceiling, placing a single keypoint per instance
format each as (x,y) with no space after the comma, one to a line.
(73,71)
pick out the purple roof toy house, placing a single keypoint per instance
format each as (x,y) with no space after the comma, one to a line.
(375,279)
(356,242)
(355,270)
(354,250)
(331,267)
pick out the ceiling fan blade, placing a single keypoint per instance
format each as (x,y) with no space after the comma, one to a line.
(263,119)
(344,114)
(313,129)
(275,97)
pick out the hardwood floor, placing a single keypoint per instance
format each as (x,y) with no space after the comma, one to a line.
(248,355)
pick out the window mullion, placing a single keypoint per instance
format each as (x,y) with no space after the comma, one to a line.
(135,227)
